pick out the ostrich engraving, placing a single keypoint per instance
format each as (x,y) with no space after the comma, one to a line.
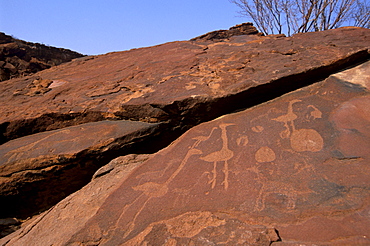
(286,118)
(301,139)
(222,155)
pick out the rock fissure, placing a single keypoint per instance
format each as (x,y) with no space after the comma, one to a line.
(278,239)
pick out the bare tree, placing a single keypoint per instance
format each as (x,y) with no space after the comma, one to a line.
(361,17)
(294,16)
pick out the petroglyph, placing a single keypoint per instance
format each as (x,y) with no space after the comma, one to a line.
(138,93)
(190,224)
(288,119)
(287,193)
(242,141)
(316,113)
(57,83)
(154,190)
(210,165)
(222,155)
(265,154)
(151,189)
(258,128)
(203,228)
(214,86)
(301,139)
(306,140)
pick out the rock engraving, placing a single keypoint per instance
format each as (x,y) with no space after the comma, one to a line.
(222,155)
(300,139)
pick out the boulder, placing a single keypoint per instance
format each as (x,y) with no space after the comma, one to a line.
(291,171)
(241,29)
(39,170)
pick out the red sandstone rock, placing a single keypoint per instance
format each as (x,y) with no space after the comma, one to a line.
(182,83)
(291,171)
(91,196)
(39,170)
(220,35)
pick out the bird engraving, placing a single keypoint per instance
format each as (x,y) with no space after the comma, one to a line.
(222,155)
(288,118)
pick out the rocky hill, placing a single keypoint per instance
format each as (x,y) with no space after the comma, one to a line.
(20,58)
(242,140)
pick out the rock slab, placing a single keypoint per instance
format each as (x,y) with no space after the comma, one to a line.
(291,171)
(181,83)
(178,85)
(91,196)
(41,169)
(50,148)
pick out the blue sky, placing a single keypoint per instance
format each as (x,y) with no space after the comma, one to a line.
(100,26)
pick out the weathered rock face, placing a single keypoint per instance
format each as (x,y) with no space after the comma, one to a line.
(91,196)
(182,83)
(19,58)
(242,179)
(292,171)
(41,169)
(242,29)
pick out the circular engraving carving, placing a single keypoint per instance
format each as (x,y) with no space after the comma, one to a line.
(242,141)
(265,154)
(306,140)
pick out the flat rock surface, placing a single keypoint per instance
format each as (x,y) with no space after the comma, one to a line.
(291,171)
(180,82)
(40,169)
